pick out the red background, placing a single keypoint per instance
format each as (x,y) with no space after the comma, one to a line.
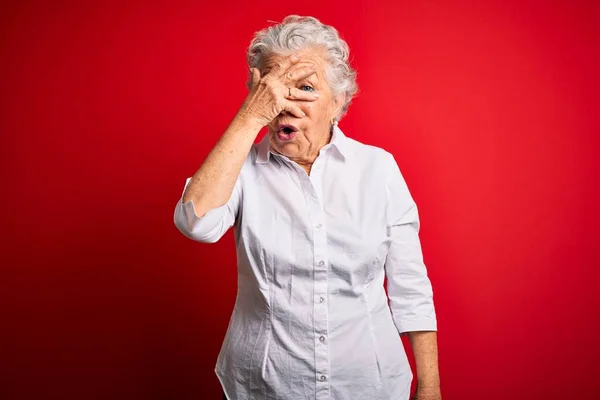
(490,108)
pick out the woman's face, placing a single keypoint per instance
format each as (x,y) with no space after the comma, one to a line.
(312,131)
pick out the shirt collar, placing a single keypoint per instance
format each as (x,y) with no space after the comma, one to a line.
(338,140)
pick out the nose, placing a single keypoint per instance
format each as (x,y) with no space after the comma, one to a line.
(286,113)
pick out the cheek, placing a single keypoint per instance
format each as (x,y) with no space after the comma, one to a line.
(315,110)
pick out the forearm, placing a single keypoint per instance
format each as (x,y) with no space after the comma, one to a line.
(212,185)
(425,350)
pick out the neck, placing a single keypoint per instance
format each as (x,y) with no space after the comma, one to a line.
(308,161)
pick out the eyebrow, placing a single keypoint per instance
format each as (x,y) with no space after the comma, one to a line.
(312,78)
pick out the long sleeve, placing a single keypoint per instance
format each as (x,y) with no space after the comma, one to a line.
(213,225)
(409,288)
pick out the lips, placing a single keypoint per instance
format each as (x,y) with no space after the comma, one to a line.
(286,132)
(286,128)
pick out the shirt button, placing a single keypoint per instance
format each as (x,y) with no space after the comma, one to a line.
(319,226)
(322,338)
(321,299)
(323,378)
(321,263)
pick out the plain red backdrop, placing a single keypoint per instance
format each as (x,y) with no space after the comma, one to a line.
(490,108)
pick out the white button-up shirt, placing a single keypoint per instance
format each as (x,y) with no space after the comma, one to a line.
(311,318)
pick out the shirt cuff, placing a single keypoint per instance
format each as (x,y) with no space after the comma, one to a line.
(202,229)
(419,324)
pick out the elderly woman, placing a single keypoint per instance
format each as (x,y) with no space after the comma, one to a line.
(320,220)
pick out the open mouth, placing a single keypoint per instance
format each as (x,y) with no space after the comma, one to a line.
(287,129)
(286,132)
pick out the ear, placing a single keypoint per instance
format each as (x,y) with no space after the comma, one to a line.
(338,104)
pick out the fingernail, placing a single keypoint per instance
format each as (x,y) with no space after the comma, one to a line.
(294,57)
(316,95)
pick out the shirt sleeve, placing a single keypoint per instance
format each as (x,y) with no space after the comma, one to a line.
(212,226)
(408,286)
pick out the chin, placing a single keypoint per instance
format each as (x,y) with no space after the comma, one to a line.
(279,141)
(285,148)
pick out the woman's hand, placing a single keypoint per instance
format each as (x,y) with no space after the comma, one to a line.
(276,91)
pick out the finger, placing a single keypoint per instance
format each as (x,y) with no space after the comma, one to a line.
(297,94)
(281,67)
(293,109)
(255,76)
(298,73)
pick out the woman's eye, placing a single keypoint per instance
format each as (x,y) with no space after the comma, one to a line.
(307,88)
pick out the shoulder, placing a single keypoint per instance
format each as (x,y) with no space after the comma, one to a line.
(370,156)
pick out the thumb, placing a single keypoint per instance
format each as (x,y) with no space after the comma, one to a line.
(255,76)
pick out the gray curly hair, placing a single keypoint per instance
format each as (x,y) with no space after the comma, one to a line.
(295,33)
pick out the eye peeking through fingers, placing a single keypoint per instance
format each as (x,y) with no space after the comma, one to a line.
(307,88)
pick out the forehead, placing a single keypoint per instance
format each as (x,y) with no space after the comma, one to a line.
(307,56)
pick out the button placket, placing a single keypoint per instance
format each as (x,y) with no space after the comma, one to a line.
(320,321)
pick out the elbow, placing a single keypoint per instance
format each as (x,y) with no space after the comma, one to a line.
(204,237)
(195,234)
(203,230)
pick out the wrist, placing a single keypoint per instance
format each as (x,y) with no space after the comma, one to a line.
(246,119)
(428,383)
(426,389)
